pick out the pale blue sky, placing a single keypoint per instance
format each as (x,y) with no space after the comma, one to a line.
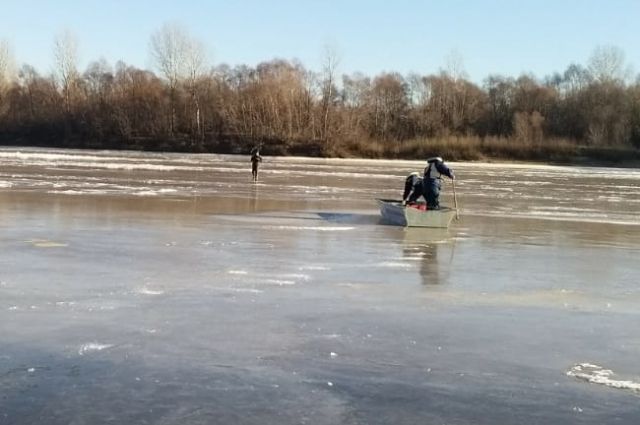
(492,36)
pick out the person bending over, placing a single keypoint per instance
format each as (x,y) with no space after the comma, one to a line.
(413,188)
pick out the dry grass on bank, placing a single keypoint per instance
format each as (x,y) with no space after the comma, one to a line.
(477,149)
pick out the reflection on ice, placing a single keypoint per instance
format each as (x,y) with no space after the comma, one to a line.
(240,290)
(315,228)
(44,243)
(312,267)
(391,264)
(280,282)
(243,272)
(149,291)
(423,245)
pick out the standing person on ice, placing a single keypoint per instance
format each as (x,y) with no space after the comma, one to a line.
(255,160)
(432,181)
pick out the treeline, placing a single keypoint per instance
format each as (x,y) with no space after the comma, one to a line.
(188,106)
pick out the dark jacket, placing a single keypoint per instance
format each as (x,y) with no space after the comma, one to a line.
(413,188)
(255,156)
(436,168)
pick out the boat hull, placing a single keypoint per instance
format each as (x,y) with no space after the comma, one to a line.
(393,212)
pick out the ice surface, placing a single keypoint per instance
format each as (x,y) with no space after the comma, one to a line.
(214,300)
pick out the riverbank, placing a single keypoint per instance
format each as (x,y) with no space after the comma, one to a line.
(491,149)
(454,148)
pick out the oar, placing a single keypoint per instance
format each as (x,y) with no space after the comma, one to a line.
(455,198)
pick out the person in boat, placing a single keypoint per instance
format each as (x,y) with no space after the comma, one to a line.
(255,160)
(413,188)
(432,180)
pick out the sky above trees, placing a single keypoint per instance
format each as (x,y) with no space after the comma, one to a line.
(479,37)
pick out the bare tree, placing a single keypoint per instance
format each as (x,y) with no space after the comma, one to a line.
(66,57)
(575,79)
(528,127)
(195,60)
(390,105)
(607,64)
(449,93)
(454,66)
(329,70)
(500,102)
(6,72)
(6,62)
(169,47)
(179,58)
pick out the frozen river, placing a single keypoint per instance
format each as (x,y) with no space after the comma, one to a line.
(142,288)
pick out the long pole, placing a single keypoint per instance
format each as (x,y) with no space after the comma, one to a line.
(455,198)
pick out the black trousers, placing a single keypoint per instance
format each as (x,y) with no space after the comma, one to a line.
(432,192)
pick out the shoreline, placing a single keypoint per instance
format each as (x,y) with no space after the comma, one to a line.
(610,157)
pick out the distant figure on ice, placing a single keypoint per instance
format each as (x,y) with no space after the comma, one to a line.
(432,181)
(413,188)
(255,160)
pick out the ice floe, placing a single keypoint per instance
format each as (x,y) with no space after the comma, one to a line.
(595,374)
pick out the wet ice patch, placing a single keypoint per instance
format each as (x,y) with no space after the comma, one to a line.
(395,264)
(44,243)
(238,272)
(353,285)
(313,267)
(285,279)
(280,282)
(91,347)
(595,374)
(412,257)
(147,193)
(149,291)
(296,276)
(247,290)
(78,192)
(316,228)
(98,307)
(243,290)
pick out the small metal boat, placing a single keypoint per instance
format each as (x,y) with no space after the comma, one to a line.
(414,215)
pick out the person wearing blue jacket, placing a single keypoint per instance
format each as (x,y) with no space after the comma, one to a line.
(432,180)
